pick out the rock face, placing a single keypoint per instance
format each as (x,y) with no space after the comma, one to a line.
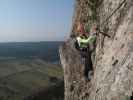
(75,86)
(113,66)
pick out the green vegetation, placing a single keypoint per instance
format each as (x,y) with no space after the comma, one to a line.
(22,78)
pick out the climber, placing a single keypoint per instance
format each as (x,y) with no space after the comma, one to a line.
(84,42)
(84,38)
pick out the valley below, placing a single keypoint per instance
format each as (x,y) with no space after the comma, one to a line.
(30,71)
(26,79)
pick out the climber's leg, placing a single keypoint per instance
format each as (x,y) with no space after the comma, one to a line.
(83,55)
(83,52)
(86,70)
(83,61)
(93,57)
(87,61)
(88,66)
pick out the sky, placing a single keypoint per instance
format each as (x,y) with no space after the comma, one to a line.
(35,20)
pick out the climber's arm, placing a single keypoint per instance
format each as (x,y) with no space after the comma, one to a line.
(91,39)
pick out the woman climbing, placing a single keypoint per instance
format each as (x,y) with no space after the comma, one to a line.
(85,41)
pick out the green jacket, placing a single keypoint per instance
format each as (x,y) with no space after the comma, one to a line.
(84,42)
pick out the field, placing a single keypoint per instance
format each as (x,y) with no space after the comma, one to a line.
(22,78)
(28,72)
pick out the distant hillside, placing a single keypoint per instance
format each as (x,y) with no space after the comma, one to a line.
(25,79)
(47,51)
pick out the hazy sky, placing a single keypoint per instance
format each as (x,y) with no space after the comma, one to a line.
(35,20)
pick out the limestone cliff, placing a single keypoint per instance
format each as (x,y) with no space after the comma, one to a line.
(113,66)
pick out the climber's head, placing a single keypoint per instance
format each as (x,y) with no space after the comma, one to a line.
(80,27)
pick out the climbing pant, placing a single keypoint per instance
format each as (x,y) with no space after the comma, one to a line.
(86,59)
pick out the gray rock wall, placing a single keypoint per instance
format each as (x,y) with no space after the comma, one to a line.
(113,74)
(75,85)
(113,77)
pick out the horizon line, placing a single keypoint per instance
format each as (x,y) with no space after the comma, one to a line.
(31,41)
